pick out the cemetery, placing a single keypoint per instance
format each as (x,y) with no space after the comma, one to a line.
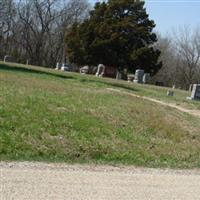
(94,95)
(68,130)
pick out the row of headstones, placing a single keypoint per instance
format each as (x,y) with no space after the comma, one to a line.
(62,67)
(139,77)
(194,89)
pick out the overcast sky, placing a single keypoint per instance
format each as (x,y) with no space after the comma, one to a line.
(169,14)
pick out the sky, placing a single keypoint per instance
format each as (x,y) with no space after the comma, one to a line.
(172,14)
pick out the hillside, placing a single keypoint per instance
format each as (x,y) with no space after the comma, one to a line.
(46,115)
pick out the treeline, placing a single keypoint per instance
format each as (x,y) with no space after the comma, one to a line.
(115,33)
(35,30)
(180,55)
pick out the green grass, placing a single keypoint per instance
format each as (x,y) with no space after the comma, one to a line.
(52,116)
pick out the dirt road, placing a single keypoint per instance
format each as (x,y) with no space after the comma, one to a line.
(58,181)
(195,113)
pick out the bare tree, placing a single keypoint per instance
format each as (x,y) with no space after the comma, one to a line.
(187,44)
(180,54)
(36,29)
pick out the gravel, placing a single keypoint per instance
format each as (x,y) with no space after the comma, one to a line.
(26,180)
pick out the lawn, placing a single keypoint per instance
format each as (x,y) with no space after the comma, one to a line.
(52,116)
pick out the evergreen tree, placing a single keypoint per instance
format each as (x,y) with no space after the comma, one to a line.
(118,33)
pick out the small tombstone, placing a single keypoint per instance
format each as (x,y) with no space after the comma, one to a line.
(170,93)
(110,72)
(195,92)
(57,66)
(130,77)
(8,58)
(65,67)
(84,70)
(191,87)
(100,70)
(119,75)
(139,76)
(146,78)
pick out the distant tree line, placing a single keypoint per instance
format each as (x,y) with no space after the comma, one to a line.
(35,30)
(117,33)
(180,54)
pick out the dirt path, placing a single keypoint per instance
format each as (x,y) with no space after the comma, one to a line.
(33,181)
(195,113)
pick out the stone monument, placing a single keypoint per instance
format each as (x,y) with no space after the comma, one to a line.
(100,70)
(84,70)
(139,73)
(146,78)
(195,92)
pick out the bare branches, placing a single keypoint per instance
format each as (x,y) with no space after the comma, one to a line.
(37,30)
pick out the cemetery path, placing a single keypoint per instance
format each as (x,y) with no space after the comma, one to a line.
(25,180)
(195,113)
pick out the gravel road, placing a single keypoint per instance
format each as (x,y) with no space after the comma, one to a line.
(37,181)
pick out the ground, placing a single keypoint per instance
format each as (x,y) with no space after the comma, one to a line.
(40,181)
(52,116)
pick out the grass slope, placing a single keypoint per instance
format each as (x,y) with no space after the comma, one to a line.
(66,117)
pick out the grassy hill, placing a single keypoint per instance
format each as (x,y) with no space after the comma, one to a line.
(46,115)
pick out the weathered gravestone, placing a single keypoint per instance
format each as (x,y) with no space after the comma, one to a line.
(58,66)
(195,92)
(146,78)
(130,77)
(100,70)
(139,76)
(191,87)
(8,58)
(84,70)
(170,93)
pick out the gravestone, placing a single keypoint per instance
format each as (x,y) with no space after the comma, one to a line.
(139,76)
(84,70)
(65,67)
(130,77)
(58,66)
(100,70)
(146,78)
(8,58)
(170,93)
(195,92)
(191,87)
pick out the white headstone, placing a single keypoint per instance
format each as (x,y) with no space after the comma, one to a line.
(195,92)
(139,76)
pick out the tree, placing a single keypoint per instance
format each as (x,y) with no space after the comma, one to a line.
(36,29)
(181,57)
(43,24)
(188,50)
(118,33)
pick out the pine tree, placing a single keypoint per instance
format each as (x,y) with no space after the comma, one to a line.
(118,33)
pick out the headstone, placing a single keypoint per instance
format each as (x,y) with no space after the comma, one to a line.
(139,76)
(100,70)
(130,77)
(65,67)
(146,78)
(8,58)
(195,92)
(84,70)
(110,72)
(119,75)
(57,66)
(170,93)
(191,87)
